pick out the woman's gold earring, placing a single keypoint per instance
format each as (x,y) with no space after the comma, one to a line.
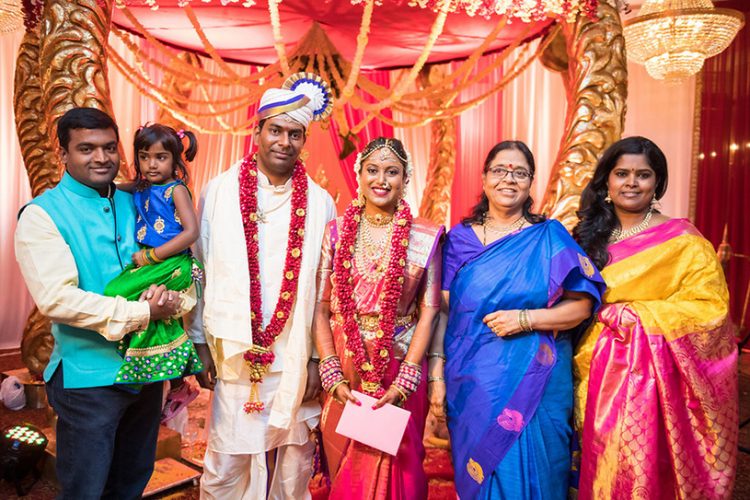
(608,199)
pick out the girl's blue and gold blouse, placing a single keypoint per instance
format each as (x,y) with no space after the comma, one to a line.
(157,221)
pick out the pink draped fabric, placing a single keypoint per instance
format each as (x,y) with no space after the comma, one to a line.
(661,410)
(357,470)
(664,437)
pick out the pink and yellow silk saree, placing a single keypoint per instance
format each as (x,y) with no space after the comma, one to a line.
(357,470)
(656,374)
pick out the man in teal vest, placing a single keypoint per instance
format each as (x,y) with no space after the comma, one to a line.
(70,242)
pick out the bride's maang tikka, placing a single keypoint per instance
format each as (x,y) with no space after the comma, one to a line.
(388,146)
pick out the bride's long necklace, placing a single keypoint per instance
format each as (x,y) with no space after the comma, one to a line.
(618,234)
(371,253)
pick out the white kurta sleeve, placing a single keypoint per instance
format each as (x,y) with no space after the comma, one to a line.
(49,269)
(193,321)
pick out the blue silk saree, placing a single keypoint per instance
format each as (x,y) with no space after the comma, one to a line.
(510,399)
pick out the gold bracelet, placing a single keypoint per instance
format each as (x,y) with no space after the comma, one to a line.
(435,379)
(154,258)
(523,320)
(328,357)
(409,363)
(146,257)
(400,391)
(437,355)
(334,386)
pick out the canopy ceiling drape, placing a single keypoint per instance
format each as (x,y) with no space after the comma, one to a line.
(396,37)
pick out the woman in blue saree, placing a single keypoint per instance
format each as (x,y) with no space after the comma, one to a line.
(514,283)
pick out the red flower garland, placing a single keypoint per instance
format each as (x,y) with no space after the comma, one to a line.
(260,356)
(370,371)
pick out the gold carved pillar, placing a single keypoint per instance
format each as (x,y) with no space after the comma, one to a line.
(596,86)
(436,201)
(41,164)
(61,64)
(37,149)
(73,56)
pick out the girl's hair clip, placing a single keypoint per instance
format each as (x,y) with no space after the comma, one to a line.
(181,134)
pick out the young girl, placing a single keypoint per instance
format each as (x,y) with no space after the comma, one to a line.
(166,226)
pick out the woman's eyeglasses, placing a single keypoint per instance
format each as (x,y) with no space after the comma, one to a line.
(501,172)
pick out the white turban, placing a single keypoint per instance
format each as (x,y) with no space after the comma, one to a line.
(304,97)
(293,103)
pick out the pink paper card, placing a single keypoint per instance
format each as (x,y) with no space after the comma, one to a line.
(382,429)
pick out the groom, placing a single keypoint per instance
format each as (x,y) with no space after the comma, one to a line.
(263,216)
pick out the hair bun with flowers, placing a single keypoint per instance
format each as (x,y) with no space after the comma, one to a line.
(316,89)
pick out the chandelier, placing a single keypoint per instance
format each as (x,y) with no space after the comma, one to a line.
(11,16)
(672,38)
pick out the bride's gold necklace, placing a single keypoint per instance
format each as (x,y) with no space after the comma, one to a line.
(618,234)
(370,253)
(378,220)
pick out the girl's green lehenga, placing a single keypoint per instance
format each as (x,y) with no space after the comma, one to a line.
(162,351)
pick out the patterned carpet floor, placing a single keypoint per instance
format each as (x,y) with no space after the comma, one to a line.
(437,462)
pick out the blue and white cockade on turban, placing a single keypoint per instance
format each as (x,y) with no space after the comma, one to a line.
(304,98)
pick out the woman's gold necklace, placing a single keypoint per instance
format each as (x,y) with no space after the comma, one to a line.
(378,220)
(370,253)
(500,230)
(618,234)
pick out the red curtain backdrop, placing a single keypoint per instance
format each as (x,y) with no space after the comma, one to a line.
(478,130)
(724,156)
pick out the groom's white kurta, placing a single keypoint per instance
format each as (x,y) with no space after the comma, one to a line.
(222,318)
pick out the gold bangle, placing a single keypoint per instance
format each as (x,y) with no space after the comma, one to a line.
(523,320)
(327,358)
(409,363)
(154,257)
(435,379)
(145,257)
(437,355)
(334,386)
(400,391)
(528,321)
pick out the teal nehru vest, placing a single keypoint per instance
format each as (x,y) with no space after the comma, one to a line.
(100,234)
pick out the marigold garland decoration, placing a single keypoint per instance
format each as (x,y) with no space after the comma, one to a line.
(371,371)
(260,356)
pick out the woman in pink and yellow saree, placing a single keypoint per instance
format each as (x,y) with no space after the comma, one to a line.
(656,372)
